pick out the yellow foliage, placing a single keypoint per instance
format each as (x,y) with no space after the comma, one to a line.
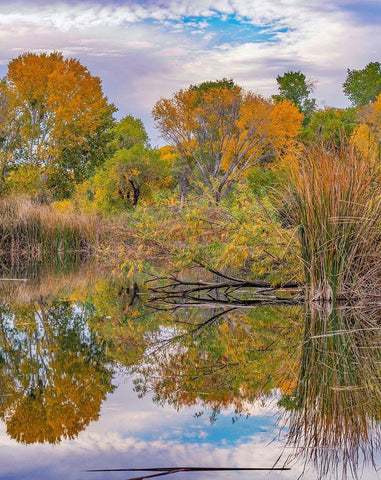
(223,132)
(58,102)
(24,180)
(367,136)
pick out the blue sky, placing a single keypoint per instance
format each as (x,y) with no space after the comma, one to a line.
(143,50)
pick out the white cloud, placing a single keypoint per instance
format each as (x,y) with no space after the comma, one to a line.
(143,51)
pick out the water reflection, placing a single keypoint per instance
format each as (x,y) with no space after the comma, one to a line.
(61,341)
(54,372)
(333,415)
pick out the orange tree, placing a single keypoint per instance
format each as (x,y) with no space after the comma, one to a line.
(221,131)
(62,115)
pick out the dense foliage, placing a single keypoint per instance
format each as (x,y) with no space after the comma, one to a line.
(212,194)
(55,120)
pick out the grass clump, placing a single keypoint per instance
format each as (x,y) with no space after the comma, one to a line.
(29,230)
(333,196)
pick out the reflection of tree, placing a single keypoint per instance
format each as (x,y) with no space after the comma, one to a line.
(53,372)
(334,411)
(214,358)
(220,356)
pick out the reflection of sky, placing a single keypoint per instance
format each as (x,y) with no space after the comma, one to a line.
(134,432)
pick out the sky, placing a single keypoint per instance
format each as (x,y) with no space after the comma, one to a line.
(147,49)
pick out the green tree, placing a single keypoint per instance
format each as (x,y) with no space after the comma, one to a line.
(295,87)
(225,84)
(133,170)
(129,174)
(330,125)
(363,86)
(128,132)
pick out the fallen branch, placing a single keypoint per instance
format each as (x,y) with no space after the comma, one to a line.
(176,285)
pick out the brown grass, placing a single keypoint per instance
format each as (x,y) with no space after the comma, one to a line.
(28,230)
(333,195)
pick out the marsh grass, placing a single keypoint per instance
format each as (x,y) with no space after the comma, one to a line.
(28,230)
(333,196)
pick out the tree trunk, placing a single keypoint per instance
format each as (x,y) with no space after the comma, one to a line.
(184,186)
(136,192)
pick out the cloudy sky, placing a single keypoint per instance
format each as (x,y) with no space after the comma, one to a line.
(145,49)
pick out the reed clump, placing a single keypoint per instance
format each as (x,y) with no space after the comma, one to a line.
(333,196)
(29,230)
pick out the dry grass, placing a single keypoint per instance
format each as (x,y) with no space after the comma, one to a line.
(28,230)
(334,198)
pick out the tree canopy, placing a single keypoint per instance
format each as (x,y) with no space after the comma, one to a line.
(295,87)
(61,115)
(221,131)
(363,86)
(133,170)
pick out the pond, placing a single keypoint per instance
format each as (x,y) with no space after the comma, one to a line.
(98,373)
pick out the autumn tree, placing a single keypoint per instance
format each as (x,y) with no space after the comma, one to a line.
(363,86)
(9,135)
(220,132)
(295,87)
(370,115)
(129,131)
(62,117)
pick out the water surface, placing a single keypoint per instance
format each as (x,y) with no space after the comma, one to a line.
(96,375)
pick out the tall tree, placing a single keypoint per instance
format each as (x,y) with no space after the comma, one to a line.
(220,132)
(62,115)
(295,87)
(363,86)
(9,134)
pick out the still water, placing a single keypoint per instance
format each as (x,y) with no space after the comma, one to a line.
(95,373)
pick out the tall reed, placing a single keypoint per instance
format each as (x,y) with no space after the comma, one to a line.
(30,230)
(333,196)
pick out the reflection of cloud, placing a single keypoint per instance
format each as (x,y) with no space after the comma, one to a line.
(145,50)
(118,440)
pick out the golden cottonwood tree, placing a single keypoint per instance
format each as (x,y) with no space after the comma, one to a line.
(61,113)
(370,115)
(9,135)
(220,131)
